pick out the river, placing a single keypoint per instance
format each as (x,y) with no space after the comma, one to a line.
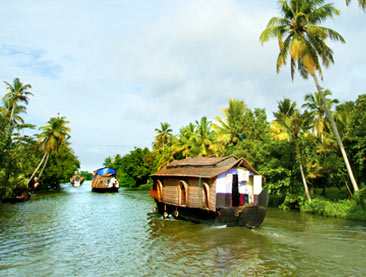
(76,232)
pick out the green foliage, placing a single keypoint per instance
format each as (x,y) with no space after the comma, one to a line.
(360,197)
(60,168)
(133,169)
(20,154)
(300,37)
(86,175)
(350,208)
(328,208)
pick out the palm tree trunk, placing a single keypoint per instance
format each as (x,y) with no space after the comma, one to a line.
(35,171)
(12,113)
(338,138)
(44,165)
(298,155)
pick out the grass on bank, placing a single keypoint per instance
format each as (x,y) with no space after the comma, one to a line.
(335,204)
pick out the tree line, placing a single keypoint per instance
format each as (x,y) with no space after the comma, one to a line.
(45,158)
(305,148)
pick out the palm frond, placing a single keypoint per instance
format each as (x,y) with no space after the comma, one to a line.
(278,21)
(272,32)
(361,3)
(322,13)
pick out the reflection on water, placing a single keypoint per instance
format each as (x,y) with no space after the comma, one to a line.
(81,233)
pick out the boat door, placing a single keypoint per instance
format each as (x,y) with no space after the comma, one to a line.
(235,196)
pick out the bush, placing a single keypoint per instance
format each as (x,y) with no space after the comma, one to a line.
(349,208)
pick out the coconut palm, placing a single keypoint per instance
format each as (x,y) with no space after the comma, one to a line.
(7,108)
(17,93)
(315,106)
(184,144)
(362,4)
(294,124)
(205,139)
(300,37)
(53,136)
(163,135)
(228,129)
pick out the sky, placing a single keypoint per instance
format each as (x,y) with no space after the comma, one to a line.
(116,69)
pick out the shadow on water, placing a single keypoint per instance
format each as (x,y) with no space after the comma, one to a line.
(80,233)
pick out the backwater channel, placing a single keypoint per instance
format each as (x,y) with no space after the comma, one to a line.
(77,232)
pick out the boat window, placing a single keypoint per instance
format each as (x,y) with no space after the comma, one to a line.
(205,193)
(183,194)
(159,188)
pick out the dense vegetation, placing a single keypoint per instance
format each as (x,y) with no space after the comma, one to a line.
(302,150)
(47,156)
(297,137)
(86,175)
(313,157)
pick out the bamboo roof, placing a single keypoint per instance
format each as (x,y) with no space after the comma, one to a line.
(204,167)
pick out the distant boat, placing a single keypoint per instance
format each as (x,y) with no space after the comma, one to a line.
(223,191)
(76,180)
(20,194)
(105,180)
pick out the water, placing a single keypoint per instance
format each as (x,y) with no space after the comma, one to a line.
(80,233)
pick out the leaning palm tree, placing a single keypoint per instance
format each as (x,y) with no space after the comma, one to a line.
(294,124)
(163,135)
(314,105)
(17,93)
(300,37)
(53,136)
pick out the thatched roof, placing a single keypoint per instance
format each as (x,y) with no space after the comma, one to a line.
(204,167)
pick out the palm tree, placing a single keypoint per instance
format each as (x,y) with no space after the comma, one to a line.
(17,93)
(6,110)
(228,129)
(299,36)
(315,106)
(53,136)
(184,144)
(205,139)
(362,4)
(163,135)
(294,124)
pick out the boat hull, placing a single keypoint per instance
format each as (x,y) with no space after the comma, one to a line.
(250,216)
(76,184)
(113,189)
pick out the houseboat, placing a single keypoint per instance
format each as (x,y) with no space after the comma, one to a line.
(77,180)
(219,191)
(105,180)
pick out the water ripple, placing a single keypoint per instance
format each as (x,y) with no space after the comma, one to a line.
(80,233)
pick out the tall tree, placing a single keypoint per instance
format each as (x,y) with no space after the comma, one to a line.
(17,93)
(314,103)
(294,124)
(53,136)
(229,128)
(205,139)
(300,37)
(7,108)
(162,135)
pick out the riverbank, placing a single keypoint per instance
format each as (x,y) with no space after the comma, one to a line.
(353,208)
(335,203)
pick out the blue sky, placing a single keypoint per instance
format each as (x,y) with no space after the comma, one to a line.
(116,69)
